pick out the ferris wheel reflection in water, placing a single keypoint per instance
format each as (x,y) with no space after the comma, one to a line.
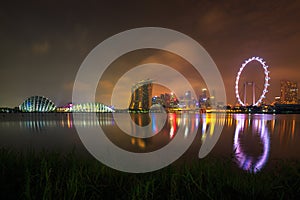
(207,123)
(259,126)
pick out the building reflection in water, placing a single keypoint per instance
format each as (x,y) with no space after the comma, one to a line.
(142,120)
(285,129)
(208,125)
(241,129)
(256,127)
(40,122)
(211,121)
(37,122)
(94,119)
(189,123)
(257,124)
(173,122)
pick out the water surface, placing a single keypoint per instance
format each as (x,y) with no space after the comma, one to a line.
(251,141)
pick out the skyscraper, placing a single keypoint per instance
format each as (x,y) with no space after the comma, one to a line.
(203,96)
(166,100)
(188,95)
(141,94)
(288,92)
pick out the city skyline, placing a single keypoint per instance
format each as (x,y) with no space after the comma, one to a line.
(44,43)
(140,94)
(159,89)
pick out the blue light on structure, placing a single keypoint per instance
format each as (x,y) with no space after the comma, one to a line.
(37,104)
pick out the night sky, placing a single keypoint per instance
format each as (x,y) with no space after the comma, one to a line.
(43,43)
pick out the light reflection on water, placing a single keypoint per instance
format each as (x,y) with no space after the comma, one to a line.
(251,139)
(258,126)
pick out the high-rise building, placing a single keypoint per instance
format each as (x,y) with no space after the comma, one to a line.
(203,98)
(186,100)
(166,100)
(277,100)
(141,96)
(188,95)
(289,92)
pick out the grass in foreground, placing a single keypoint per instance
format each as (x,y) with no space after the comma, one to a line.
(49,175)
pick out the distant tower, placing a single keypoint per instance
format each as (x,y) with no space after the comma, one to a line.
(188,95)
(141,96)
(204,95)
(203,98)
(288,92)
(187,99)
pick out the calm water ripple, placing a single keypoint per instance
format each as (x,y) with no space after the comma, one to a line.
(251,140)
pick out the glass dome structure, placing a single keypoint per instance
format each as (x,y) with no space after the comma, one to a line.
(37,104)
(91,107)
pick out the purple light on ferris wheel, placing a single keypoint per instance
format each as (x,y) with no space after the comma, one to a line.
(266,83)
(243,160)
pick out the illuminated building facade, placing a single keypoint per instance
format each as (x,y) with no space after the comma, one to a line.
(277,100)
(141,96)
(166,100)
(289,92)
(187,101)
(8,110)
(66,108)
(91,107)
(204,99)
(37,104)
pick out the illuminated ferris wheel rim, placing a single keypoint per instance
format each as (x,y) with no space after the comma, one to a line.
(266,83)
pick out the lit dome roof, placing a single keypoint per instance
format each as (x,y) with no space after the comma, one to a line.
(37,104)
(91,107)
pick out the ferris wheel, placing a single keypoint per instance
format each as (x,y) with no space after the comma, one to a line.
(266,81)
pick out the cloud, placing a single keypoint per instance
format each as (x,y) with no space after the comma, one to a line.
(158,73)
(81,86)
(41,47)
(106,85)
(214,21)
